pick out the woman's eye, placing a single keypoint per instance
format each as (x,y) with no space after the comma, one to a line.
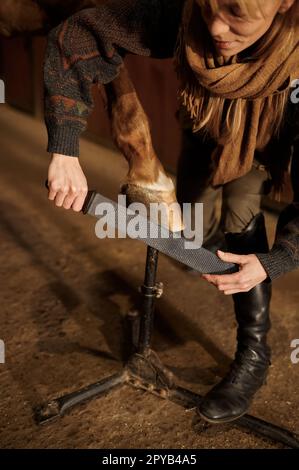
(237,12)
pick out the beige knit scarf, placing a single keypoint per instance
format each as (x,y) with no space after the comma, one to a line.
(252,84)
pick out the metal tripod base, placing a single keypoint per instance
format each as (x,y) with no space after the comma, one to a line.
(145,371)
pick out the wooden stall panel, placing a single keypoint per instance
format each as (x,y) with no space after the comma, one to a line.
(17,71)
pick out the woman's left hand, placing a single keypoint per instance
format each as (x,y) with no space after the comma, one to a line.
(251,273)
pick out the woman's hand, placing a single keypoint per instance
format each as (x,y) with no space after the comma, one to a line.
(251,273)
(67,182)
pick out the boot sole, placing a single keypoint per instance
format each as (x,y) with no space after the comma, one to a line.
(220,421)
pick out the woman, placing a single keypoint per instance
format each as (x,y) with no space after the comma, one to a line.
(236,60)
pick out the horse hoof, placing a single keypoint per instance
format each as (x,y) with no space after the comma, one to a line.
(172,215)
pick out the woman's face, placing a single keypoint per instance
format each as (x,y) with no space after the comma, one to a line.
(233,30)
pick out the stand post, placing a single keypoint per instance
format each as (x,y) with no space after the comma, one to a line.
(149,293)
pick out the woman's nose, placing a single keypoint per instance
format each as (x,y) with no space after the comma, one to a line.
(217,27)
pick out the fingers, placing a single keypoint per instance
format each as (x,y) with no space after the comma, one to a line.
(79,201)
(52,192)
(60,197)
(231,257)
(223,278)
(68,198)
(239,282)
(236,291)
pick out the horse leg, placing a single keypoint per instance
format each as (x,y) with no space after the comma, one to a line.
(146,180)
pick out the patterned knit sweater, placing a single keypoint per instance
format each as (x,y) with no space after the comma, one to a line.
(90,46)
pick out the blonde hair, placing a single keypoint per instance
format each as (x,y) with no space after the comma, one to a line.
(249,7)
(220,117)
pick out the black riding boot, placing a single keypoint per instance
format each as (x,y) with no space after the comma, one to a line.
(231,398)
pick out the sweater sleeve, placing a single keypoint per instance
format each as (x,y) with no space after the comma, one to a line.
(89,47)
(284,255)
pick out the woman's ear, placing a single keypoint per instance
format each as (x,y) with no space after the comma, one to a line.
(286,5)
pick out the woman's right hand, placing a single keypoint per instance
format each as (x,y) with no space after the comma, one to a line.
(67,182)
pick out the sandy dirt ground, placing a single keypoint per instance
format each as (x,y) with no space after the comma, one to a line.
(64,299)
